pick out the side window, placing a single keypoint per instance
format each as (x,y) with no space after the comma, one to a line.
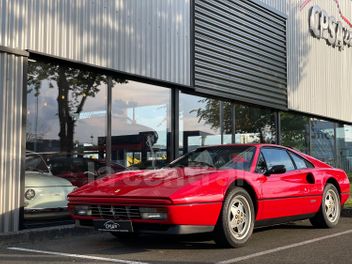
(261,165)
(35,163)
(300,162)
(276,156)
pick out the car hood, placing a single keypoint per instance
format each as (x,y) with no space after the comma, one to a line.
(40,179)
(161,183)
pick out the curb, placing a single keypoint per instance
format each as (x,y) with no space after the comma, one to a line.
(40,234)
(346,212)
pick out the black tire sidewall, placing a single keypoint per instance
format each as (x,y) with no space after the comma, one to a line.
(225,224)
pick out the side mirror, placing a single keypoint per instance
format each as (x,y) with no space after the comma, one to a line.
(277,169)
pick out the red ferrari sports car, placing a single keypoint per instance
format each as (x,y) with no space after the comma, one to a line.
(226,190)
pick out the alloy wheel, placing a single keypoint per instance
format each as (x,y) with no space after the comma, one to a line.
(331,203)
(239,217)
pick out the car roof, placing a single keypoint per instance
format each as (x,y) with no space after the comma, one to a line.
(245,144)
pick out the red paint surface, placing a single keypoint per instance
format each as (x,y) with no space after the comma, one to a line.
(194,196)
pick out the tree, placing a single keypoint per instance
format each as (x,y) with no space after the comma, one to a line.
(247,119)
(210,114)
(74,87)
(295,131)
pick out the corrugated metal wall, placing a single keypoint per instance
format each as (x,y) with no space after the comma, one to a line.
(149,38)
(240,52)
(319,76)
(11,101)
(280,5)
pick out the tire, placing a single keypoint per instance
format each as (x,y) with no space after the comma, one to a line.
(330,209)
(238,206)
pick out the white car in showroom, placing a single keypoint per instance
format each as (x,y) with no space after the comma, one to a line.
(45,194)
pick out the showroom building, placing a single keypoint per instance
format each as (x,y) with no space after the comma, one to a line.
(94,86)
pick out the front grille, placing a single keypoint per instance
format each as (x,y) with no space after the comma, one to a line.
(115,212)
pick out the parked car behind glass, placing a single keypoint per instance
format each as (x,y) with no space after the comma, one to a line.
(45,194)
(79,171)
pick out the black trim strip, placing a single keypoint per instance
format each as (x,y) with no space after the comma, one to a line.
(14,51)
(21,221)
(289,197)
(107,71)
(174,138)
(281,220)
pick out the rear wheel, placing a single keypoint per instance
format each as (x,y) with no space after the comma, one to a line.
(330,210)
(236,221)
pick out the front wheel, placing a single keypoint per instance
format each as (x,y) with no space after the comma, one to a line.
(236,221)
(330,210)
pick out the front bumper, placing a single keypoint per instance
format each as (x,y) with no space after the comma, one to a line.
(181,219)
(150,228)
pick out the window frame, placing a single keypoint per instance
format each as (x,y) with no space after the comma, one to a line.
(274,147)
(307,163)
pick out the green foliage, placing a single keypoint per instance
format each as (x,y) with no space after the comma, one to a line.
(247,119)
(294,131)
(210,114)
(75,83)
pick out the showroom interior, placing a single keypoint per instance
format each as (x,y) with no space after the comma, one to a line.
(91,88)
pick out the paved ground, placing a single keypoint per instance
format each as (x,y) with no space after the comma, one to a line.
(293,243)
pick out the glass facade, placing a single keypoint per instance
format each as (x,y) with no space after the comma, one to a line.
(295,131)
(82,125)
(72,138)
(206,121)
(323,140)
(66,116)
(203,122)
(140,121)
(254,125)
(328,141)
(344,147)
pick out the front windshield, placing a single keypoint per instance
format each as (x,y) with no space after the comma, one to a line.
(35,163)
(221,157)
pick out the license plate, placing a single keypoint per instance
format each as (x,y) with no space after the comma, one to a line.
(113,226)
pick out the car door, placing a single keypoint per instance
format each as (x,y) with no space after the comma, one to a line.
(313,188)
(283,195)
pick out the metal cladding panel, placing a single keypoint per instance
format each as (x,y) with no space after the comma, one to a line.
(240,51)
(319,76)
(11,103)
(149,38)
(280,5)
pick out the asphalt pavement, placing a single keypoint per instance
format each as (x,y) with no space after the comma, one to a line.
(291,243)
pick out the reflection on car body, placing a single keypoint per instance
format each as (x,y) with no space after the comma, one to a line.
(224,190)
